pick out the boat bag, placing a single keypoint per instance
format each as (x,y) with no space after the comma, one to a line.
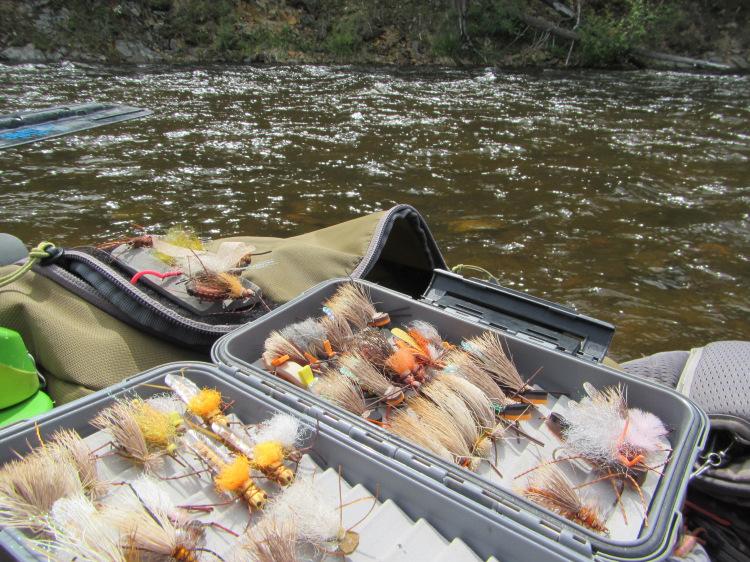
(717,378)
(88,327)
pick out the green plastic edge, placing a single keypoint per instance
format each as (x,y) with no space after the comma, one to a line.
(32,407)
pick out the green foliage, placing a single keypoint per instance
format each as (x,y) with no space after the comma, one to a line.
(606,39)
(98,37)
(227,39)
(419,31)
(160,5)
(445,41)
(489,24)
(345,37)
(493,18)
(197,22)
(273,43)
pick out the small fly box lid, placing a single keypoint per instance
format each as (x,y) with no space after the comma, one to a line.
(522,315)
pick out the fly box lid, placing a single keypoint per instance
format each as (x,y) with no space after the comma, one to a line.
(561,351)
(522,315)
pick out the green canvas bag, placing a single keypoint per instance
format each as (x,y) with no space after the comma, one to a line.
(89,328)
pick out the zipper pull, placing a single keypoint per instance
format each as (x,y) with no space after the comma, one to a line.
(714,459)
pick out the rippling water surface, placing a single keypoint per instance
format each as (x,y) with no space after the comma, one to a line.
(625,195)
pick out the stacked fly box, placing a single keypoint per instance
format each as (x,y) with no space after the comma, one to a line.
(414,517)
(558,368)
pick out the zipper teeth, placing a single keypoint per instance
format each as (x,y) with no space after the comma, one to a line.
(67,280)
(144,299)
(359,271)
(375,242)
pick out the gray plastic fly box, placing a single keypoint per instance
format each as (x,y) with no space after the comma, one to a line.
(562,349)
(415,517)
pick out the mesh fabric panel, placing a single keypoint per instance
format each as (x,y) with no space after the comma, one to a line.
(722,379)
(664,368)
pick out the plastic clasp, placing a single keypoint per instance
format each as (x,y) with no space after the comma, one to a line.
(53,255)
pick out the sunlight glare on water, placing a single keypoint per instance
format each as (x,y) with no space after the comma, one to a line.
(624,195)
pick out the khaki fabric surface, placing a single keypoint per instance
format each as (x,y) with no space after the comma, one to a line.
(78,347)
(609,362)
(295,264)
(81,348)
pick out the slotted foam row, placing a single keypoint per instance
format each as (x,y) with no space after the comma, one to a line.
(630,535)
(414,516)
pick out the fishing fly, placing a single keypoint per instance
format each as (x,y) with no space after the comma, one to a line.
(370,379)
(487,351)
(352,302)
(311,517)
(139,432)
(149,523)
(338,333)
(71,448)
(205,403)
(75,529)
(267,446)
(342,390)
(231,473)
(30,486)
(551,489)
(620,443)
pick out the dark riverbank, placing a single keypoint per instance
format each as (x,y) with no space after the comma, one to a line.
(509,33)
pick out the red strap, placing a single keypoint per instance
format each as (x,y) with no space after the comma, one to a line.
(158,274)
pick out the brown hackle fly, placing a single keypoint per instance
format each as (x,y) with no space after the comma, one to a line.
(487,350)
(277,350)
(477,401)
(458,434)
(342,390)
(150,530)
(551,489)
(373,345)
(460,363)
(120,421)
(210,286)
(352,302)
(370,379)
(144,241)
(338,332)
(411,428)
(75,450)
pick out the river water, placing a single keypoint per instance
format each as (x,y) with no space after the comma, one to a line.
(624,195)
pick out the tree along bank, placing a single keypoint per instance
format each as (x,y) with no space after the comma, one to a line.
(574,33)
